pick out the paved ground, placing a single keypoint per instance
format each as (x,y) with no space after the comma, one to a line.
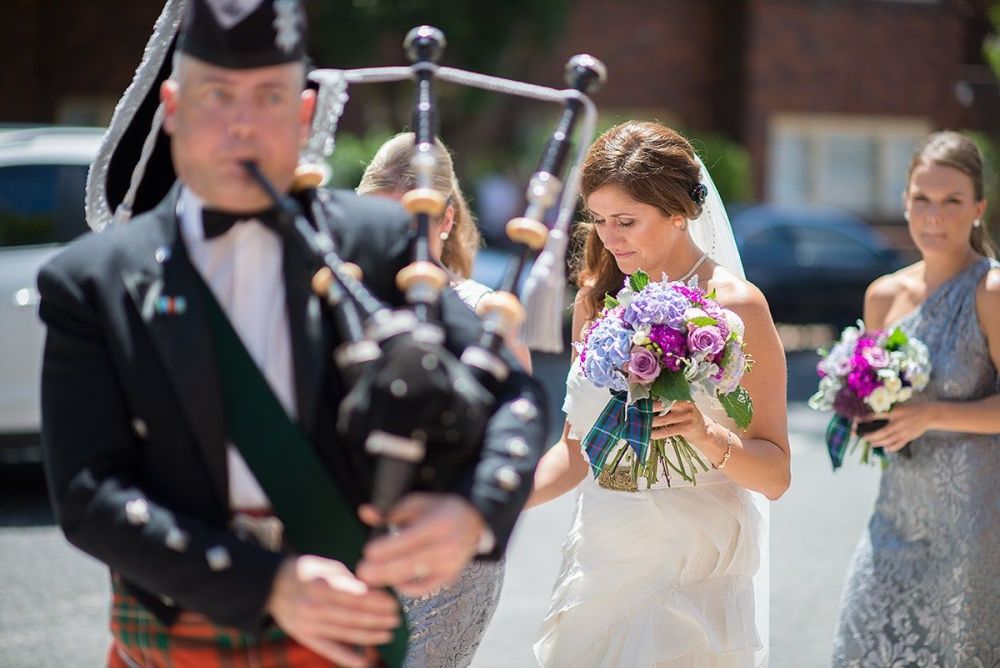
(54,602)
(814,528)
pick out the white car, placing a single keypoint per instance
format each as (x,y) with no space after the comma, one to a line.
(43,172)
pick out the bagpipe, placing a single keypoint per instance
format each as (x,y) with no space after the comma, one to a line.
(413,406)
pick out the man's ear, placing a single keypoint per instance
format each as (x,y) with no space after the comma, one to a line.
(169,94)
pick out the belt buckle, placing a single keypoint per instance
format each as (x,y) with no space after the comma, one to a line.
(266,531)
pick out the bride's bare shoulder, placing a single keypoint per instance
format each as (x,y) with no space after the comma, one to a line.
(736,293)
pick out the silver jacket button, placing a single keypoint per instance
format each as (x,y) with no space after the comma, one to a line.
(218,558)
(139,428)
(137,512)
(177,539)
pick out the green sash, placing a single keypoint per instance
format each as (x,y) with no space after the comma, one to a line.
(317,519)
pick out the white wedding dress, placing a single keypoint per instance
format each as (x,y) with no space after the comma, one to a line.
(661,577)
(668,577)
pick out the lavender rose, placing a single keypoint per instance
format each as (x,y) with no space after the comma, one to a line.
(706,339)
(643,366)
(878,358)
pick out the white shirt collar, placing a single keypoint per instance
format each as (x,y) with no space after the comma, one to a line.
(189,208)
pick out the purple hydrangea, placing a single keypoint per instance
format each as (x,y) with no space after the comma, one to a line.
(656,304)
(609,348)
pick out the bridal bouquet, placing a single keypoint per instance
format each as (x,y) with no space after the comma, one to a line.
(863,374)
(660,341)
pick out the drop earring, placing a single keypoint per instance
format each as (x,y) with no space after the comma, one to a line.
(978,222)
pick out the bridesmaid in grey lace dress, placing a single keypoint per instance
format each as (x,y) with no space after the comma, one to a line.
(447,626)
(924,585)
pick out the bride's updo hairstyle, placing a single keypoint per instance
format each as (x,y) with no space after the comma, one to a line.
(653,165)
(955,150)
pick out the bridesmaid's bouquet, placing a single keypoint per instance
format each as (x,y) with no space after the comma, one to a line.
(862,374)
(662,341)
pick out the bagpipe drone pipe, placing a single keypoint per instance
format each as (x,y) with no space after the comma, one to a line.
(415,408)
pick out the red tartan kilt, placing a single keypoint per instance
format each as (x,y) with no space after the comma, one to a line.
(196,642)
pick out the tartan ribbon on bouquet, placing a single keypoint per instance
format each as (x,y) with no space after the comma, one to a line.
(838,440)
(619,421)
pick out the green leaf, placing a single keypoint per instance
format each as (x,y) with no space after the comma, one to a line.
(638,280)
(703,321)
(671,386)
(610,302)
(738,406)
(897,340)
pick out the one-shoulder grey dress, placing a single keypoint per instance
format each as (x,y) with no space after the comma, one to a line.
(924,584)
(447,626)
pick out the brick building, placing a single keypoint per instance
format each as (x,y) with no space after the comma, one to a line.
(829,96)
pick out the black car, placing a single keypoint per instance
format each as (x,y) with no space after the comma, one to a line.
(813,263)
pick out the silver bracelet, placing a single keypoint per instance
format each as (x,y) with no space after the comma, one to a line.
(729,452)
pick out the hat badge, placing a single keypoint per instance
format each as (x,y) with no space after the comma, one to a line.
(286,24)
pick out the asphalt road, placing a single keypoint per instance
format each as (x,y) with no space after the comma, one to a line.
(54,600)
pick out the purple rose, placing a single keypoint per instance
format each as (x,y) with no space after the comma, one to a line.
(643,366)
(706,339)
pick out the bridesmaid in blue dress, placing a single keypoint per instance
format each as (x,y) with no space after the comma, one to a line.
(924,585)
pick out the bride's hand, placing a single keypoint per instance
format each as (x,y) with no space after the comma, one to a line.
(683,419)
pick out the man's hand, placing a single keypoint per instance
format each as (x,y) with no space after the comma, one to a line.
(320,603)
(437,537)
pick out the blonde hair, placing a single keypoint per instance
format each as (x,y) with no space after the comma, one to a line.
(955,150)
(390,172)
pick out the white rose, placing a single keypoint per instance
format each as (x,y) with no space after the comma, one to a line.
(693,313)
(850,334)
(823,399)
(919,380)
(892,383)
(879,400)
(904,394)
(734,323)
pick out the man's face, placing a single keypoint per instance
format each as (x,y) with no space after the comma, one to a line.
(218,117)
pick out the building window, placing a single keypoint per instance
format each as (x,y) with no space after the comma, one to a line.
(857,163)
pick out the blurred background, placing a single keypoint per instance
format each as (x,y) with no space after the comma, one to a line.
(806,113)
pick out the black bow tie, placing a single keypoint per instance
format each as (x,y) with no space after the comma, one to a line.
(216,223)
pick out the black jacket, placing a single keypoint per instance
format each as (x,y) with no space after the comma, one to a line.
(131,407)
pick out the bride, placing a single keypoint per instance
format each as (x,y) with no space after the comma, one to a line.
(668,576)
